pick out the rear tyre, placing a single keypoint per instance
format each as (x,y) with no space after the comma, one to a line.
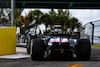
(83,49)
(37,49)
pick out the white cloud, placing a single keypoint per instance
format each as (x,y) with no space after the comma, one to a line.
(27,11)
(85,15)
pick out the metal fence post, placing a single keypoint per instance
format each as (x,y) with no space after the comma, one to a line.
(92,31)
(12,12)
(99,39)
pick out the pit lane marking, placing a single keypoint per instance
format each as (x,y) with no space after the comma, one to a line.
(74,65)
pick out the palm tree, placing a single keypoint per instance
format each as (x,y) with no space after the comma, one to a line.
(23,20)
(74,23)
(45,19)
(17,12)
(52,11)
(63,18)
(35,15)
(3,20)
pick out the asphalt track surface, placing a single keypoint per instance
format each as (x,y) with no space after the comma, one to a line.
(93,62)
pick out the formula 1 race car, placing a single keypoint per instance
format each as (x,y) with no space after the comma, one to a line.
(58,44)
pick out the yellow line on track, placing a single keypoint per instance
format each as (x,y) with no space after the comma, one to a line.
(75,65)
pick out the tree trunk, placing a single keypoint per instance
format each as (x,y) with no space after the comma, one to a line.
(36,25)
(24,31)
(35,29)
(46,27)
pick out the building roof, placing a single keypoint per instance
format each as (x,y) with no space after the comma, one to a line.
(63,4)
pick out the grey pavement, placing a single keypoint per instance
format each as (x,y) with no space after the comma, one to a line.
(21,53)
(93,62)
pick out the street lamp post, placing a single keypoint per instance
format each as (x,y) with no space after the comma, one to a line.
(99,39)
(92,31)
(12,12)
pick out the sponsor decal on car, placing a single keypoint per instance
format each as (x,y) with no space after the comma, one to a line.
(57,39)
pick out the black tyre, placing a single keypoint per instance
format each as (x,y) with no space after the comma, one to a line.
(83,49)
(37,49)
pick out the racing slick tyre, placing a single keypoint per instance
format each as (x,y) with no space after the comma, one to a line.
(37,49)
(83,49)
(28,46)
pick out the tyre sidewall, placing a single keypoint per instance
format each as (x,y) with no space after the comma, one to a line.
(83,49)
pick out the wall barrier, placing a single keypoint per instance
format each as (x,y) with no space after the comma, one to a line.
(7,40)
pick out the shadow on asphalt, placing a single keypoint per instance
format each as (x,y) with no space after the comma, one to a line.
(63,59)
(59,59)
(23,46)
(70,59)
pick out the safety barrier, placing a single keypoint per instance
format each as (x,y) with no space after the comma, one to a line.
(7,40)
(91,30)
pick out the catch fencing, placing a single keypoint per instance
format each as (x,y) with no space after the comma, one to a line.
(91,31)
(5,13)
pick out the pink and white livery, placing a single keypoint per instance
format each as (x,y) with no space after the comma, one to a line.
(57,39)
